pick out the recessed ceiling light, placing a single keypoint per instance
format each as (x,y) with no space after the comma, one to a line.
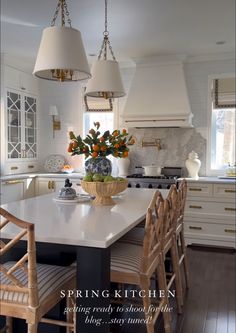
(221,42)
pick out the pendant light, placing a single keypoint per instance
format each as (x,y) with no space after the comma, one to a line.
(61,55)
(106,79)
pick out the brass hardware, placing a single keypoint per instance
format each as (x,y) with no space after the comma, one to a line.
(14,168)
(195,189)
(232,231)
(230,191)
(230,209)
(11,182)
(155,143)
(196,207)
(53,185)
(195,228)
(49,185)
(30,166)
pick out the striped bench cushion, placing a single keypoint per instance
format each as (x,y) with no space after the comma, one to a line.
(50,278)
(134,236)
(126,257)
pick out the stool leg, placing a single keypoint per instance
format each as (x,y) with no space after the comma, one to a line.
(9,325)
(32,328)
(185,260)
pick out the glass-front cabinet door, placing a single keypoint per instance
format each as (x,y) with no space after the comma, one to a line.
(21,125)
(30,108)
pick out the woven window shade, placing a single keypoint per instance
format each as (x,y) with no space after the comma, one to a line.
(224,93)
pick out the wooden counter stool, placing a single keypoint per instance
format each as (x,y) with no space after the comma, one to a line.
(29,290)
(135,264)
(169,245)
(182,193)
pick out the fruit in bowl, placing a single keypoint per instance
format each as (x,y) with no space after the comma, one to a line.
(103,188)
(67,168)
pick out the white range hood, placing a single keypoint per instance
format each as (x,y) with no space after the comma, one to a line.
(158,95)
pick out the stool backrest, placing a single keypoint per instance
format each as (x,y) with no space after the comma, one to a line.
(182,191)
(153,233)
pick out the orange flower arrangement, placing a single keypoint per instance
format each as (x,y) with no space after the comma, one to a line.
(97,145)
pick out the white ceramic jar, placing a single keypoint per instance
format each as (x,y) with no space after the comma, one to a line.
(193,165)
(123,166)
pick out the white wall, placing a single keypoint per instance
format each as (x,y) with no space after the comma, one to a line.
(67,97)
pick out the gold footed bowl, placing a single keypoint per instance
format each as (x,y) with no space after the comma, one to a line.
(103,191)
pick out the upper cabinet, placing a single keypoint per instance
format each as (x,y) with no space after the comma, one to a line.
(21,129)
(19,121)
(19,80)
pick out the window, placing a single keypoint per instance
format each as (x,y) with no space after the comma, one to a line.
(222,123)
(106,120)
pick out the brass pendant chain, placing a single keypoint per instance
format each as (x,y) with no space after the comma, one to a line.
(106,42)
(65,15)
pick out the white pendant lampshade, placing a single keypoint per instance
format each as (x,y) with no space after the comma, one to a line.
(106,79)
(61,48)
(61,55)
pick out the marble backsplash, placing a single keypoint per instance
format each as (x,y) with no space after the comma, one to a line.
(176,144)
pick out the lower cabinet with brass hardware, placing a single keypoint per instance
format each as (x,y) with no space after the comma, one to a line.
(12,190)
(16,189)
(48,185)
(210,214)
(45,185)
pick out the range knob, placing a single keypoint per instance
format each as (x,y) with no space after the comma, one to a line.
(129,185)
(150,186)
(159,186)
(137,185)
(168,186)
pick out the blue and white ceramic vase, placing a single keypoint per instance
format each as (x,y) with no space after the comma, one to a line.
(101,165)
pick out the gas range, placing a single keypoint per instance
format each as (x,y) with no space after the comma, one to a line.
(169,176)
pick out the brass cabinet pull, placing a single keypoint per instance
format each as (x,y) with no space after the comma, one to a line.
(14,168)
(195,228)
(49,185)
(232,231)
(11,182)
(196,207)
(230,209)
(230,191)
(195,189)
(53,185)
(30,166)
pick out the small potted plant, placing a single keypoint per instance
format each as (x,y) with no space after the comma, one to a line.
(96,147)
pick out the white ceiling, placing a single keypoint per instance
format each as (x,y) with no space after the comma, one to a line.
(138,28)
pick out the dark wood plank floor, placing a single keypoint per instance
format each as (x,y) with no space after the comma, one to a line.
(210,302)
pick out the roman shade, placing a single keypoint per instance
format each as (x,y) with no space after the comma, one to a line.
(224,93)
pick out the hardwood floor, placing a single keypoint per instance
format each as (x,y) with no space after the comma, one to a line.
(210,302)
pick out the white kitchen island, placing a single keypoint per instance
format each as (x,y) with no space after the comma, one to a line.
(91,230)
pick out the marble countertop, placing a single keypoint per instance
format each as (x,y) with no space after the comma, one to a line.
(77,175)
(212,180)
(81,224)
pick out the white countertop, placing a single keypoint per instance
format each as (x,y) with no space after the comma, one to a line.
(42,174)
(211,180)
(82,223)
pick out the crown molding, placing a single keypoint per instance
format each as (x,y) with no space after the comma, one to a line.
(211,57)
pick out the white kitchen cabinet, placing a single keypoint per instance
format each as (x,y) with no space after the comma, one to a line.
(210,214)
(16,79)
(17,189)
(49,185)
(19,122)
(12,190)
